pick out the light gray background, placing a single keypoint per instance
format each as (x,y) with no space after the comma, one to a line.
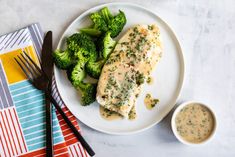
(206,30)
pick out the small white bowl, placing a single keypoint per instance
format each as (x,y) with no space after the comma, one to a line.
(173,125)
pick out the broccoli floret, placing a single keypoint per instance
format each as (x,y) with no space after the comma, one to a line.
(76,73)
(116,25)
(82,46)
(88,92)
(106,44)
(105,13)
(91,31)
(62,59)
(99,22)
(80,40)
(94,68)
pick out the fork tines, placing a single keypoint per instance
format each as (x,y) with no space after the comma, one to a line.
(29,67)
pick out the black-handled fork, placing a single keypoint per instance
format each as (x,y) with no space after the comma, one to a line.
(39,80)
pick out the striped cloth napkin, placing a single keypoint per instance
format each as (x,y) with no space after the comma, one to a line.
(22,107)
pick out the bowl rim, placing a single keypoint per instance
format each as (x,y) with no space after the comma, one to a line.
(173,125)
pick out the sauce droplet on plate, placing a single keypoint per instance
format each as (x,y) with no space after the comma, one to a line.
(150,102)
(150,80)
(109,115)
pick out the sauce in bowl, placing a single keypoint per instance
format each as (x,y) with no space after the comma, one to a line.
(194,123)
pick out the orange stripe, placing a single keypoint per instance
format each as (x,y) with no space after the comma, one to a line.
(68,115)
(71,141)
(66,154)
(58,151)
(35,153)
(41,152)
(69,137)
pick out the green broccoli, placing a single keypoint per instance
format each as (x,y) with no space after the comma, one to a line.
(105,13)
(82,46)
(99,22)
(104,21)
(62,59)
(116,24)
(91,31)
(88,92)
(106,45)
(76,73)
(80,40)
(94,68)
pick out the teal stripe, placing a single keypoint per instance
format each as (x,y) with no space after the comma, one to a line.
(27,96)
(34,122)
(56,128)
(33,111)
(22,90)
(26,119)
(32,105)
(38,128)
(58,139)
(36,140)
(40,133)
(56,134)
(19,85)
(37,146)
(43,132)
(34,129)
(28,101)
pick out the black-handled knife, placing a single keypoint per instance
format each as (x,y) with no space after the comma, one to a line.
(47,66)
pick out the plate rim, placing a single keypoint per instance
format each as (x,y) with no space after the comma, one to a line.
(180,51)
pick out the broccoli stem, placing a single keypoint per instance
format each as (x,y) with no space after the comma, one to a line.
(91,31)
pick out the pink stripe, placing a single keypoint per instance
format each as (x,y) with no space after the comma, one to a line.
(16,131)
(71,152)
(7,136)
(2,145)
(76,150)
(85,152)
(20,132)
(11,135)
(80,150)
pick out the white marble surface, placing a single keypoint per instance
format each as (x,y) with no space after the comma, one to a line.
(206,29)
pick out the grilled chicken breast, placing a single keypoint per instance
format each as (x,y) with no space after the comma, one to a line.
(132,60)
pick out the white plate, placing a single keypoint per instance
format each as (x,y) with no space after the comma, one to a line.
(168,75)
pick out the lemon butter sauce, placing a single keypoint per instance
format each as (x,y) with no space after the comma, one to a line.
(194,123)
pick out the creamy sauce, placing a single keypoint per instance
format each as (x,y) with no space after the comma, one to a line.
(111,115)
(150,80)
(150,102)
(194,123)
(132,113)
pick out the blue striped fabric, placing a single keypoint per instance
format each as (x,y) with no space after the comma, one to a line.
(30,108)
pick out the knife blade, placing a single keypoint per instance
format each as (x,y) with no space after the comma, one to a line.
(47,67)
